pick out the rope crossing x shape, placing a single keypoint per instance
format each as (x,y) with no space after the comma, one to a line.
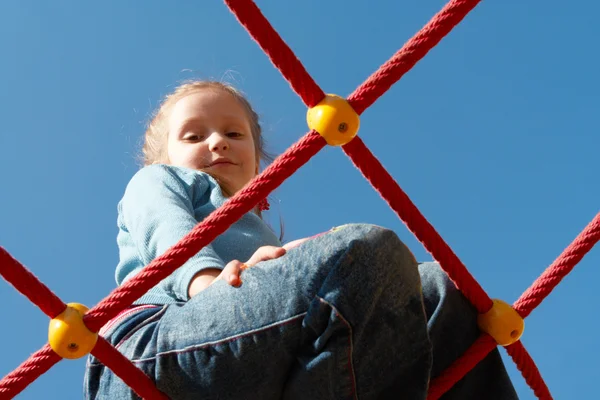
(283,58)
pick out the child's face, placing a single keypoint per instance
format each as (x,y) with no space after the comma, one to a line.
(209,131)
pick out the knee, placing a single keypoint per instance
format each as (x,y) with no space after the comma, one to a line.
(381,235)
(378,247)
(379,270)
(373,237)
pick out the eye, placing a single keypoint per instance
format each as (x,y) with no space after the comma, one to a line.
(233,134)
(192,137)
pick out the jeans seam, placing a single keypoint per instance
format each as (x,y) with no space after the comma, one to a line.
(140,325)
(350,348)
(111,325)
(146,321)
(220,341)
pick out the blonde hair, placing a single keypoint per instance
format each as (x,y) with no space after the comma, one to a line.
(154,149)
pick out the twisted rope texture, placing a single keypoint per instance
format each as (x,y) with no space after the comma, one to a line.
(365,95)
(529,370)
(413,51)
(29,285)
(37,364)
(129,373)
(399,201)
(282,57)
(455,372)
(205,232)
(564,264)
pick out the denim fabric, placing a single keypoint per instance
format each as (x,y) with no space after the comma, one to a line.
(347,315)
(162,203)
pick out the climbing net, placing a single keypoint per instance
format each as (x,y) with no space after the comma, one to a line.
(501,324)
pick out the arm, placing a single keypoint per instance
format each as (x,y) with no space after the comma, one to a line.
(232,271)
(158,210)
(203,279)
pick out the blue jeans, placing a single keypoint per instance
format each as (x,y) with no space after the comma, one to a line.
(346,315)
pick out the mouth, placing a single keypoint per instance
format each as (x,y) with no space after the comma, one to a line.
(220,162)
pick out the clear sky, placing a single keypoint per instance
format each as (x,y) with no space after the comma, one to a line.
(494,136)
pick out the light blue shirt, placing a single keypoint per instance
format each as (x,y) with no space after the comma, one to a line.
(162,204)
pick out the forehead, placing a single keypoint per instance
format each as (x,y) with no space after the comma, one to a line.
(209,105)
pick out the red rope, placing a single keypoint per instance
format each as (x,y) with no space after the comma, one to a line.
(205,232)
(282,57)
(129,373)
(564,264)
(36,365)
(413,51)
(529,370)
(301,82)
(391,192)
(29,285)
(459,368)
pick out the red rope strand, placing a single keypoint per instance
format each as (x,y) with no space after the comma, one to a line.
(282,57)
(459,368)
(141,384)
(529,370)
(29,285)
(205,232)
(564,264)
(36,365)
(413,51)
(399,201)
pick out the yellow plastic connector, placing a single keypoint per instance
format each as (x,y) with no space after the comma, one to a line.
(67,334)
(334,119)
(502,322)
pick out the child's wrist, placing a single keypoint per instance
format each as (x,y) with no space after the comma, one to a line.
(202,280)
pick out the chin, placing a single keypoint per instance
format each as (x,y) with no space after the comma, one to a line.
(223,182)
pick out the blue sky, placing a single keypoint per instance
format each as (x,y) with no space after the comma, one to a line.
(493,135)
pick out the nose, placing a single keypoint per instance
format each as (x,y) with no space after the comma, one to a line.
(217,142)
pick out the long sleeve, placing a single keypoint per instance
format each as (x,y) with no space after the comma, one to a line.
(156,211)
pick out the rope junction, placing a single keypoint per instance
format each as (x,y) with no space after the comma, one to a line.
(497,319)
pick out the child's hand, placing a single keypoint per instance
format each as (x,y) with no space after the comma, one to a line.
(231,272)
(233,269)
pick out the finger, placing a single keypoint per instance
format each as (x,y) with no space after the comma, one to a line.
(294,243)
(259,255)
(265,253)
(231,273)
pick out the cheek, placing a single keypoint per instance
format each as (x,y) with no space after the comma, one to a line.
(174,154)
(187,156)
(171,148)
(251,159)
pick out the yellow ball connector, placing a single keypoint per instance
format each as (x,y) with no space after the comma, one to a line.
(67,334)
(334,119)
(502,322)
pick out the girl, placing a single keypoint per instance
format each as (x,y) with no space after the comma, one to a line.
(348,314)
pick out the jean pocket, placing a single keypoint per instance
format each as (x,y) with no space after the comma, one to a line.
(129,322)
